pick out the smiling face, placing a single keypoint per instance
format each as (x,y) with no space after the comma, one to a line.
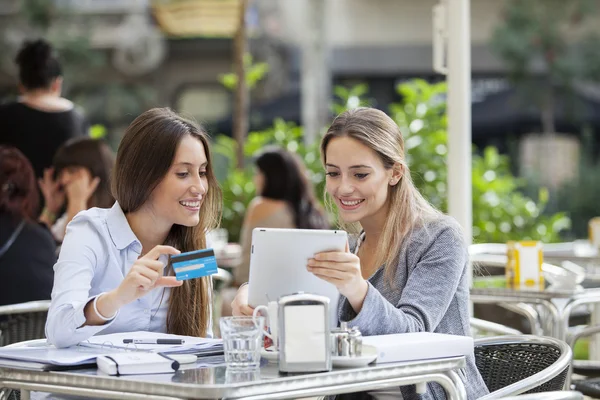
(357,180)
(178,197)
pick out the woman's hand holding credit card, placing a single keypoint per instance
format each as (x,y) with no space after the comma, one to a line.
(194,264)
(145,274)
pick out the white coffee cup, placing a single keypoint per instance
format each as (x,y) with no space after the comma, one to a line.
(270,312)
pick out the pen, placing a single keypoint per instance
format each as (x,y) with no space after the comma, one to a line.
(154,341)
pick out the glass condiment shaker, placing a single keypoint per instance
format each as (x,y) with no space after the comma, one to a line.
(346,342)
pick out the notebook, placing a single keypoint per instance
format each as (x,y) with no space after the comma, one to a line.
(135,363)
(419,346)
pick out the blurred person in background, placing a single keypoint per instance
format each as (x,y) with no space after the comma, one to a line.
(40,121)
(285,200)
(27,250)
(82,168)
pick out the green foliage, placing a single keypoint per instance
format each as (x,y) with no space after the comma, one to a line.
(348,98)
(422,120)
(97,131)
(551,39)
(545,30)
(500,211)
(238,187)
(255,72)
(579,196)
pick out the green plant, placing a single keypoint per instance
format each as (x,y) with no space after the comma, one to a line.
(554,35)
(237,184)
(579,196)
(500,211)
(348,98)
(255,72)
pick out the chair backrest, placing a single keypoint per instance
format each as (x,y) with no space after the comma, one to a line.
(561,395)
(512,365)
(480,326)
(25,321)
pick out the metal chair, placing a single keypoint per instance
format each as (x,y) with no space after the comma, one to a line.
(480,325)
(18,323)
(512,365)
(562,395)
(24,321)
(590,369)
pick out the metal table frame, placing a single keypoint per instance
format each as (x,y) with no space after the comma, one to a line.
(442,371)
(559,318)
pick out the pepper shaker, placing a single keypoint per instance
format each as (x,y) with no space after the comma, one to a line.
(346,342)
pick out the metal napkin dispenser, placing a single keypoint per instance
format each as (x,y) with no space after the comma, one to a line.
(304,335)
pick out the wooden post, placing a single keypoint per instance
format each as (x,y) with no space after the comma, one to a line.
(241,97)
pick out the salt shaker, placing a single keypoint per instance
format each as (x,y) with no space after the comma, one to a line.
(346,342)
(355,338)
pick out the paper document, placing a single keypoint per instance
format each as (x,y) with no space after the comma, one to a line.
(419,346)
(76,355)
(191,344)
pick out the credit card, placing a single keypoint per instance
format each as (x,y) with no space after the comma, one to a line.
(194,264)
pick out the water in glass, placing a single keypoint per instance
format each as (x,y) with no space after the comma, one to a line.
(242,340)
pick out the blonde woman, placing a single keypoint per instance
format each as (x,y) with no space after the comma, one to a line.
(406,270)
(112,274)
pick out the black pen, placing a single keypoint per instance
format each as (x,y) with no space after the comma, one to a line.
(154,341)
(175,364)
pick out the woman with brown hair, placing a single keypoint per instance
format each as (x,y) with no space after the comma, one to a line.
(82,167)
(28,272)
(111,275)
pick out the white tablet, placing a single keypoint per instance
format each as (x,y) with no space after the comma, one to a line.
(278,264)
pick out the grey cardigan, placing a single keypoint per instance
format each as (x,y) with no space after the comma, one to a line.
(430,293)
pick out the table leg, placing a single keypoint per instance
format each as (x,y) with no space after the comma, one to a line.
(555,315)
(25,394)
(594,350)
(458,384)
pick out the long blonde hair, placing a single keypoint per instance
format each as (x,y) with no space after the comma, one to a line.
(406,207)
(145,155)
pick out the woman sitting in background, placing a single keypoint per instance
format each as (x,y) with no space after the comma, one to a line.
(27,250)
(285,200)
(82,167)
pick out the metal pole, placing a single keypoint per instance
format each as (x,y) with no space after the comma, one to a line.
(460,195)
(315,75)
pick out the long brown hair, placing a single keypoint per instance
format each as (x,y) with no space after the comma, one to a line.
(95,156)
(144,157)
(407,208)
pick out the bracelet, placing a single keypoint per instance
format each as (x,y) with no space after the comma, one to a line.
(49,214)
(102,317)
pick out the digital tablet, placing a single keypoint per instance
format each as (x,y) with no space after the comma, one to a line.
(278,264)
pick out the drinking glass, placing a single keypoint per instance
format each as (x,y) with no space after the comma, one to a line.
(242,341)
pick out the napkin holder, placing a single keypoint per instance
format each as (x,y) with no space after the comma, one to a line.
(304,333)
